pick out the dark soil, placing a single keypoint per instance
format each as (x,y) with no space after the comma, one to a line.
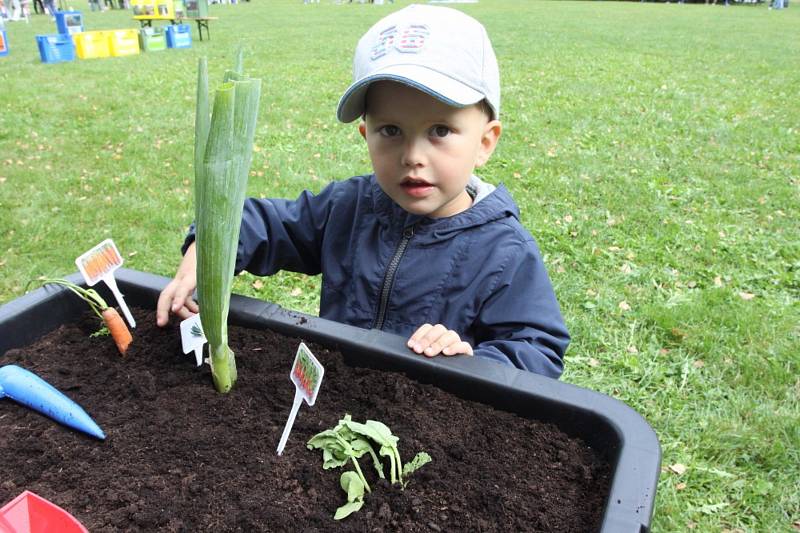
(181,457)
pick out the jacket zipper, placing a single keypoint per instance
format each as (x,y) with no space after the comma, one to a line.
(388,278)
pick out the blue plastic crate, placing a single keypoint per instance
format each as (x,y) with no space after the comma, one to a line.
(3,43)
(55,48)
(179,36)
(69,22)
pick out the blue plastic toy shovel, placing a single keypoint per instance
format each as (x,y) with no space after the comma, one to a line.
(32,391)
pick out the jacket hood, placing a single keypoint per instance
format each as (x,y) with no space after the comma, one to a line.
(496,205)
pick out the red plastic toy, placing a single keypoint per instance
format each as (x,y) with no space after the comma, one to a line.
(30,513)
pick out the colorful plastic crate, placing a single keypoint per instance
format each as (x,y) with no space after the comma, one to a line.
(179,36)
(91,44)
(55,48)
(3,43)
(196,8)
(123,42)
(69,22)
(152,39)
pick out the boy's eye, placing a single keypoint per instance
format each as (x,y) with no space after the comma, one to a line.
(440,131)
(389,131)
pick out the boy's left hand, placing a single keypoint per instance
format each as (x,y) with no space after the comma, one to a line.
(434,340)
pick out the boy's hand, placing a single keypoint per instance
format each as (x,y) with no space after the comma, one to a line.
(176,297)
(435,340)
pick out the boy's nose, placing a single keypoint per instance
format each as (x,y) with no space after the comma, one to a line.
(413,154)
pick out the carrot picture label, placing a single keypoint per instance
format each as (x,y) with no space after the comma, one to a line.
(98,264)
(193,338)
(306,375)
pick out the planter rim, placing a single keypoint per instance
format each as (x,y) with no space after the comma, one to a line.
(635,450)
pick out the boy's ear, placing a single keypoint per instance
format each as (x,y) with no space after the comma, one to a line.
(362,129)
(491,134)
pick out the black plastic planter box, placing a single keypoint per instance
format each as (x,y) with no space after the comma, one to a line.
(607,425)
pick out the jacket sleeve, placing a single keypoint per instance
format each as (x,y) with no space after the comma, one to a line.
(520,323)
(281,234)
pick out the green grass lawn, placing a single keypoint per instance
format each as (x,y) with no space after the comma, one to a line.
(654,150)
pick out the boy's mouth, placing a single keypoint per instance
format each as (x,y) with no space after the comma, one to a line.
(416,186)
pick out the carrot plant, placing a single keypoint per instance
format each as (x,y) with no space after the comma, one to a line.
(113,321)
(223,151)
(349,441)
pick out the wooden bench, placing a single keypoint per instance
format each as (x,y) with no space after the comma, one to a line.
(202,23)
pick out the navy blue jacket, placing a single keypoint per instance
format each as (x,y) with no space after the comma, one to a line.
(479,272)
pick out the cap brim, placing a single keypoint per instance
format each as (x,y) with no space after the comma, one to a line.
(444,88)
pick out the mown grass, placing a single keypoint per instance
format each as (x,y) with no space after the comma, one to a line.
(654,151)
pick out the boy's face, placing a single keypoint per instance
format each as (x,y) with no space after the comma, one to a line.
(423,151)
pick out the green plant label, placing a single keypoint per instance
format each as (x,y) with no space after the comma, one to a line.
(192,337)
(306,373)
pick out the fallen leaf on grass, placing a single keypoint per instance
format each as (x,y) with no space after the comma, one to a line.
(796,525)
(258,284)
(296,292)
(746,296)
(593,362)
(678,468)
(680,486)
(699,363)
(718,281)
(633,349)
(678,334)
(711,508)
(624,306)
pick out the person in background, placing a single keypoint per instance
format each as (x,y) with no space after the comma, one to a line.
(50,8)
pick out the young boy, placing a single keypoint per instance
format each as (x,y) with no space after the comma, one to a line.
(422,247)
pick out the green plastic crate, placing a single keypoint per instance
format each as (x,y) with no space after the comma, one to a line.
(152,39)
(196,8)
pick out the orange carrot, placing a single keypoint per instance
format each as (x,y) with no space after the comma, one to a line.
(110,256)
(91,266)
(117,328)
(99,264)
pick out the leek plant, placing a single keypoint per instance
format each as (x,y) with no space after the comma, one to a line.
(222,152)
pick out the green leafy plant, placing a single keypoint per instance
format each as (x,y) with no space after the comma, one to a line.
(349,441)
(223,151)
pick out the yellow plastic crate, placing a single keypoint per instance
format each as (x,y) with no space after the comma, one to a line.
(123,42)
(90,44)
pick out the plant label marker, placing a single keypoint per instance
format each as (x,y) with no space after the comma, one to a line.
(193,338)
(306,375)
(98,264)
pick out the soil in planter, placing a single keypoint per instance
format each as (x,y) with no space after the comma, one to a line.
(180,457)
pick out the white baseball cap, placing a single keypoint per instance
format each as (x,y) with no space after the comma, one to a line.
(438,50)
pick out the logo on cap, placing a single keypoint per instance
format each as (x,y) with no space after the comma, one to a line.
(407,40)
